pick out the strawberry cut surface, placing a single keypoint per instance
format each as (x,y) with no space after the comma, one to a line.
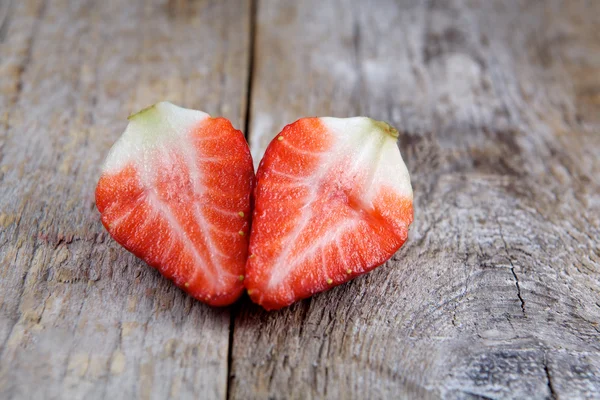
(333,201)
(175,190)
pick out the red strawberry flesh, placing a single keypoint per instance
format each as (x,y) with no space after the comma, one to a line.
(333,201)
(175,191)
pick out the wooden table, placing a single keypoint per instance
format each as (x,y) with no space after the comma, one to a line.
(496,294)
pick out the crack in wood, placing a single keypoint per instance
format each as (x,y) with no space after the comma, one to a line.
(251,55)
(512,266)
(553,395)
(234,310)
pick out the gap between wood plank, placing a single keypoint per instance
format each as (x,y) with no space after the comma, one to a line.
(253,14)
(236,307)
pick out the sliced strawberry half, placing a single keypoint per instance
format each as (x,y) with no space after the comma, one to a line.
(176,191)
(333,200)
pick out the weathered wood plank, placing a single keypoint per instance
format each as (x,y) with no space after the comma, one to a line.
(496,293)
(79,316)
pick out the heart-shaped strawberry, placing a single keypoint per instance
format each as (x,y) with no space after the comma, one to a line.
(333,201)
(176,191)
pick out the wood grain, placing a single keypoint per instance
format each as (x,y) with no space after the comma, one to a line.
(79,316)
(496,293)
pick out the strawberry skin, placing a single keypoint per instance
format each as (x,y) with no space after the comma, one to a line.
(333,201)
(175,190)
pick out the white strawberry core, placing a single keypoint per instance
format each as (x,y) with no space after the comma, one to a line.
(374,148)
(154,127)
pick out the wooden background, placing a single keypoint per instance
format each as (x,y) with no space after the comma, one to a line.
(496,294)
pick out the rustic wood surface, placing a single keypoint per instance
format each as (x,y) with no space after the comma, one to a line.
(80,317)
(496,294)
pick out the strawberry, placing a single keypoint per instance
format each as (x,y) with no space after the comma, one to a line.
(333,201)
(176,191)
